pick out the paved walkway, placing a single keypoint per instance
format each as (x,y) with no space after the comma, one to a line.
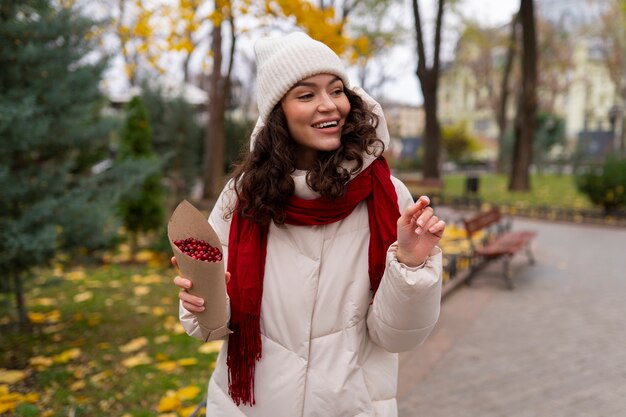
(553,347)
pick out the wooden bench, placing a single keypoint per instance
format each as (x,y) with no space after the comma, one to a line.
(432,187)
(501,243)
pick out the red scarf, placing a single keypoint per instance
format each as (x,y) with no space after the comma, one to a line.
(247,247)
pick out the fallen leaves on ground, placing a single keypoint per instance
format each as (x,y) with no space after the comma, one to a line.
(76,357)
(211,347)
(141,358)
(134,345)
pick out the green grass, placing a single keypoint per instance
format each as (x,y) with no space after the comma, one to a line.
(98,310)
(547,190)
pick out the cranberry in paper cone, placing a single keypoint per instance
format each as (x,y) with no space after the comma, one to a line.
(207,277)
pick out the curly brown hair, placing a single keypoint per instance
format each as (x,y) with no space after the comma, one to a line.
(263,182)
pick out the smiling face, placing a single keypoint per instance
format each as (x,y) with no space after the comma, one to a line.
(316,109)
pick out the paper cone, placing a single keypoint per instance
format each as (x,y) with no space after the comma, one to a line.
(207,277)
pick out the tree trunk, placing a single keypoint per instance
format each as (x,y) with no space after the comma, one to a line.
(429,82)
(622,139)
(19,300)
(527,108)
(504,97)
(432,129)
(213,166)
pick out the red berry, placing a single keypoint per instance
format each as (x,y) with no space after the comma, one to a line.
(199,249)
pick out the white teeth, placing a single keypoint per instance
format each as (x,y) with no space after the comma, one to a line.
(325,124)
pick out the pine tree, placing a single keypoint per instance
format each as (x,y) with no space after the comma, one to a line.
(142,209)
(51,138)
(177,137)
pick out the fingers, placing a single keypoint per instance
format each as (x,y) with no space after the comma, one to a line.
(427,221)
(438,228)
(191,302)
(415,210)
(423,222)
(174,261)
(183,283)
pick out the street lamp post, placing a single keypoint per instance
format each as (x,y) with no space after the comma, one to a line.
(616,118)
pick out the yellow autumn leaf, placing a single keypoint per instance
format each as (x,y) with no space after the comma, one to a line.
(158,311)
(139,359)
(11,376)
(82,297)
(187,361)
(4,389)
(40,362)
(100,376)
(167,367)
(78,385)
(134,345)
(168,415)
(168,403)
(159,340)
(141,290)
(188,393)
(173,325)
(211,347)
(103,345)
(36,317)
(67,355)
(53,316)
(5,407)
(31,397)
(187,411)
(43,302)
(145,256)
(152,279)
(10,397)
(76,275)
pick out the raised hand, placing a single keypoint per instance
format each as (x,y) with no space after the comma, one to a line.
(419,230)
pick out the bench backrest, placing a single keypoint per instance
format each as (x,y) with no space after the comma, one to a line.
(481,220)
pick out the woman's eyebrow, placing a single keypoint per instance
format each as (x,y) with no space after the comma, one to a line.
(310,84)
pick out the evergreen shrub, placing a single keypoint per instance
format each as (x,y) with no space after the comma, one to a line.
(605,185)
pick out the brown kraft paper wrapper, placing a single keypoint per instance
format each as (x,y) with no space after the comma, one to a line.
(207,277)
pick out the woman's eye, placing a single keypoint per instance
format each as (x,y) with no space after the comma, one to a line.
(306,96)
(338,92)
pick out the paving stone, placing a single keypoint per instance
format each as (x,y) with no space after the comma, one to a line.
(554,346)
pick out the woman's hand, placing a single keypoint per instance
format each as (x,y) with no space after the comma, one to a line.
(190,302)
(419,230)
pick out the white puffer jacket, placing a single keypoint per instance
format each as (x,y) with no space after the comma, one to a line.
(327,351)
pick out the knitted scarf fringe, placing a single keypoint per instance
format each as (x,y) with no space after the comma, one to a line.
(244,350)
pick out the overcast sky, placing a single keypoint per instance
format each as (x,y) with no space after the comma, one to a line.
(405,87)
(400,64)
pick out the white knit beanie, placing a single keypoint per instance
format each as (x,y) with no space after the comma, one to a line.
(282,62)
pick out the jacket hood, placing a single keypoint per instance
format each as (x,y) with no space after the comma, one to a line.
(382,132)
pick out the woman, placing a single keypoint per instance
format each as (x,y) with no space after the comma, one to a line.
(332,268)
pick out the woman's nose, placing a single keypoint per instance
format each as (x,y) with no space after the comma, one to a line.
(326,103)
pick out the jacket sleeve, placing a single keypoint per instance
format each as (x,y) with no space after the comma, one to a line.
(406,306)
(221,225)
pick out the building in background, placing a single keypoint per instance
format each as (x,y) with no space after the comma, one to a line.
(406,128)
(588,102)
